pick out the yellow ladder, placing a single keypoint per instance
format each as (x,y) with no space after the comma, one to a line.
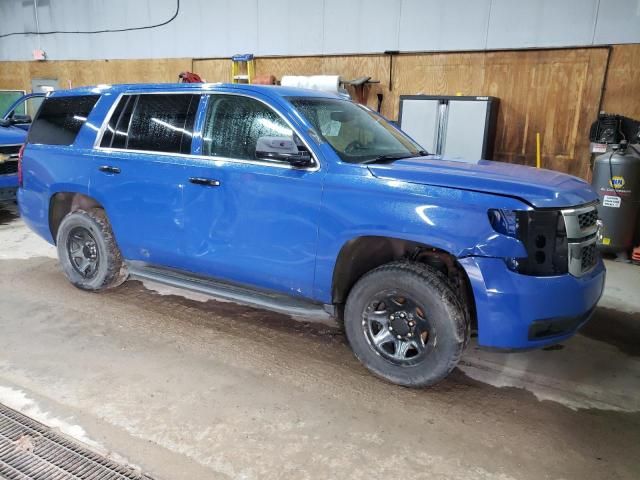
(243,68)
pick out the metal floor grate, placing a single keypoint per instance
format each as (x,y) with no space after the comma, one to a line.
(32,451)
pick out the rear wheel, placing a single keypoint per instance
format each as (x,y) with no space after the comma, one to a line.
(87,251)
(405,324)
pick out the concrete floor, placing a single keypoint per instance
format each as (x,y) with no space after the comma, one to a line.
(190,388)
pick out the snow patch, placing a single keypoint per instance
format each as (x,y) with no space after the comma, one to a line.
(584,374)
(18,400)
(18,242)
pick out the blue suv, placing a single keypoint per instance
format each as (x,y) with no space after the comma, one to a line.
(307,203)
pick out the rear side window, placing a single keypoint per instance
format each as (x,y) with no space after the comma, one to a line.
(60,118)
(153,122)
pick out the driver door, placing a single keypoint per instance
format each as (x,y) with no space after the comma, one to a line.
(22,111)
(249,220)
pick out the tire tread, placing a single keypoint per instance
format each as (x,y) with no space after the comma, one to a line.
(440,285)
(116,272)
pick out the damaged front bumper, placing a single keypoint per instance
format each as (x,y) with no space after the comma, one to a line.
(516,311)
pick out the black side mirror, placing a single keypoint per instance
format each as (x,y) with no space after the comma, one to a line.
(20,119)
(282,149)
(5,122)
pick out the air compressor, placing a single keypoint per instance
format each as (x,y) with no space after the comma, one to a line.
(616,178)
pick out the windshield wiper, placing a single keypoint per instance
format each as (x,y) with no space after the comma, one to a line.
(393,157)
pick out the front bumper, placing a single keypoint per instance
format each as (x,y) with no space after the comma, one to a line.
(517,311)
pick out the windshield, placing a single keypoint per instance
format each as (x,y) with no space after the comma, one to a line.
(357,134)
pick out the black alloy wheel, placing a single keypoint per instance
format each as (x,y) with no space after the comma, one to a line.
(397,328)
(83,252)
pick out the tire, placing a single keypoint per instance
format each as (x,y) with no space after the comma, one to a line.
(88,252)
(428,317)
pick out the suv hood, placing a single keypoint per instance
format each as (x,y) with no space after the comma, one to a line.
(12,136)
(538,187)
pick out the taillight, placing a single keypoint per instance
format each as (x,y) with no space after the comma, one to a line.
(20,153)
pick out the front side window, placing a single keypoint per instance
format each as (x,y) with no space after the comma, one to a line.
(356,134)
(60,118)
(152,122)
(235,123)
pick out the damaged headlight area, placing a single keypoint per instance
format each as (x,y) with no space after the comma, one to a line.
(543,234)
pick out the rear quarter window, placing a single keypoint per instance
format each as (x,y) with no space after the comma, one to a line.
(60,118)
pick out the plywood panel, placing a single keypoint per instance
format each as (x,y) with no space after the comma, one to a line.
(438,74)
(554,92)
(14,75)
(348,67)
(622,94)
(213,70)
(92,72)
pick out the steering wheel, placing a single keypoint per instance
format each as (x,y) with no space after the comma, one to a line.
(353,147)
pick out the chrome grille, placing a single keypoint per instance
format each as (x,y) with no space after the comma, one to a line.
(32,451)
(588,257)
(588,219)
(581,224)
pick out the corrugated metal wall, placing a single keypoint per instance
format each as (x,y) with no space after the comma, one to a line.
(219,28)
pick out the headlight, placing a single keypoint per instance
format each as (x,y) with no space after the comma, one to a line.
(543,234)
(504,221)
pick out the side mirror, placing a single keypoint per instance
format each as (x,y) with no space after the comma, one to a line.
(283,149)
(20,119)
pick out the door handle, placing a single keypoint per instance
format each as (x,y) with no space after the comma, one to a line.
(109,169)
(207,182)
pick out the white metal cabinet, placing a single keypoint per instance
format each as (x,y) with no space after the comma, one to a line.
(453,127)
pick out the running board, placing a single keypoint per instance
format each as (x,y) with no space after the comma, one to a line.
(216,289)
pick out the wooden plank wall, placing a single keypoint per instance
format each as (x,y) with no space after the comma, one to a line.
(554,92)
(347,66)
(622,90)
(18,75)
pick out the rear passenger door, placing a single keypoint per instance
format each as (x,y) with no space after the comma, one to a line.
(256,220)
(139,173)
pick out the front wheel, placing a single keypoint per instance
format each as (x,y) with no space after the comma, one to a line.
(88,252)
(405,324)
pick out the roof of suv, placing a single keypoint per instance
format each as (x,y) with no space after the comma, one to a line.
(267,90)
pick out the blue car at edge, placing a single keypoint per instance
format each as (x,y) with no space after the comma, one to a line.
(307,203)
(13,134)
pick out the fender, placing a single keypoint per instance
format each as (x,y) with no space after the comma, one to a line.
(452,220)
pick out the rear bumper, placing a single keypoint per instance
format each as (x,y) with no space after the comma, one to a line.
(34,211)
(517,311)
(8,187)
